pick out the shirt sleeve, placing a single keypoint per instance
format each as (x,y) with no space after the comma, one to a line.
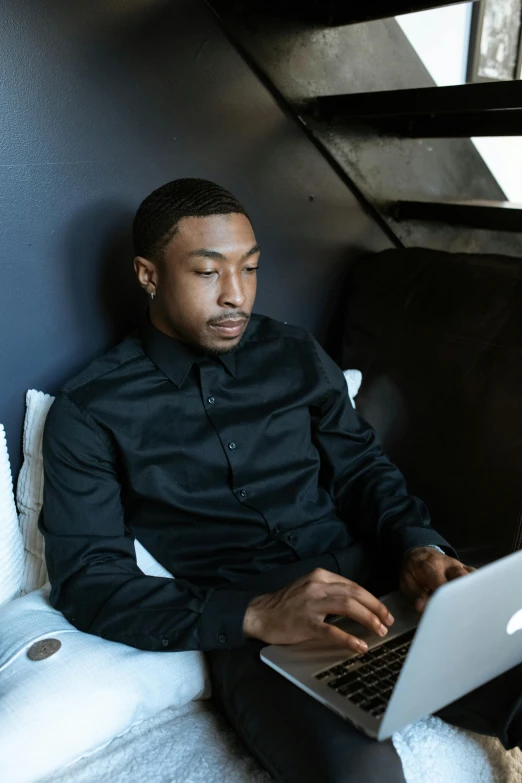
(95,580)
(369,491)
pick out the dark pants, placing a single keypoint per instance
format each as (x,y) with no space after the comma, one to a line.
(298,739)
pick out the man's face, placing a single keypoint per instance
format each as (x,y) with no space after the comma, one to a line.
(206,286)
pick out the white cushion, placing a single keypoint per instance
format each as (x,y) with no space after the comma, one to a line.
(11,546)
(91,690)
(29,491)
(58,709)
(148,564)
(353,382)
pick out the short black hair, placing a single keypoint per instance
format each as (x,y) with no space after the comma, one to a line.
(156,220)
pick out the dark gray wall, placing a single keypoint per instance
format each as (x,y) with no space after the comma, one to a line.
(102,101)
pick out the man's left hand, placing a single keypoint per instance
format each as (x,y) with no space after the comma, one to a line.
(424,569)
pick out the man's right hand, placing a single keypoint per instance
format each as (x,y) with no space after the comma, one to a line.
(297,612)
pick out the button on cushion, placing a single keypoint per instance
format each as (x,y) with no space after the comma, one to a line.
(43,649)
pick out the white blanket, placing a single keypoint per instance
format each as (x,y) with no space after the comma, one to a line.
(194,745)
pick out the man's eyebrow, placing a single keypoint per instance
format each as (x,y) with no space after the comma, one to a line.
(203,252)
(251,252)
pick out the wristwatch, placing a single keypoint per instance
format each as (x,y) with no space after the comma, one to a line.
(423,546)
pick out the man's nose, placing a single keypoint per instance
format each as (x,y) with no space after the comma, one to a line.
(232,293)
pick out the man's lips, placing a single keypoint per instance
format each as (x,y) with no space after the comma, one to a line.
(231,328)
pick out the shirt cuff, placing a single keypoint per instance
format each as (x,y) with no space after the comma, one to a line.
(221,623)
(414,537)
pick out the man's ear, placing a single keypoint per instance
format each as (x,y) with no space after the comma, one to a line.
(146,272)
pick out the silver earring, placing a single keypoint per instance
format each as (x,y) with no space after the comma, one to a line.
(152,294)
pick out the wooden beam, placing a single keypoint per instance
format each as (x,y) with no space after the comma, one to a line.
(333,13)
(491,215)
(488,109)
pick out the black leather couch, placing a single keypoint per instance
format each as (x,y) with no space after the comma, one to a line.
(438,338)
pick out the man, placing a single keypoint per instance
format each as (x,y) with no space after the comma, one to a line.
(225,442)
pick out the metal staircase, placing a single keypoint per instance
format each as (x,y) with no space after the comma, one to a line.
(364,97)
(333,13)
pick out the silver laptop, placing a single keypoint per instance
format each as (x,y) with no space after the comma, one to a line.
(469,633)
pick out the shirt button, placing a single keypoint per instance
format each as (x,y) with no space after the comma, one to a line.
(222,638)
(211,400)
(276,530)
(165,642)
(242,493)
(232,446)
(292,539)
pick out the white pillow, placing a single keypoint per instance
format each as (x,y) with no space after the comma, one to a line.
(353,381)
(89,691)
(58,709)
(11,545)
(29,490)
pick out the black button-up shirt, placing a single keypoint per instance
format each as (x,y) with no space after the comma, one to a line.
(222,468)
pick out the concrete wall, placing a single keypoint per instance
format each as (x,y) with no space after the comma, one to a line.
(103,101)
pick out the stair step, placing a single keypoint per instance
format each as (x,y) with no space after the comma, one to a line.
(335,13)
(464,110)
(491,215)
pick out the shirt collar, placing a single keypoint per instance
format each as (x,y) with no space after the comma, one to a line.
(173,357)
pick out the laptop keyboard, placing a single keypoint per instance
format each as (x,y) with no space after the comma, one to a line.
(369,679)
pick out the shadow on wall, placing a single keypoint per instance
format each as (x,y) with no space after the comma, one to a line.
(100,275)
(335,339)
(95,278)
